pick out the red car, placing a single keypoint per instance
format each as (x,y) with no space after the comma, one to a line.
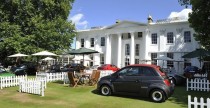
(108,67)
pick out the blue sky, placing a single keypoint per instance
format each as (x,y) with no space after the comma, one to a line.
(90,13)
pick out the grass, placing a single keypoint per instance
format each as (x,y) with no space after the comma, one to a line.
(58,95)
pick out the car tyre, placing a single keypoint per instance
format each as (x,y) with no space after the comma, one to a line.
(105,90)
(157,95)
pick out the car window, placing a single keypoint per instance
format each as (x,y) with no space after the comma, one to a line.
(147,71)
(129,71)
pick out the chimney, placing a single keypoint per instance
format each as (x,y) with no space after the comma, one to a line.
(149,19)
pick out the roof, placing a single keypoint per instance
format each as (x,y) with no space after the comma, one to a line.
(126,21)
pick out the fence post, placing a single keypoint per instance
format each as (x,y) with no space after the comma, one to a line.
(189,101)
(187,84)
(208,102)
(1,83)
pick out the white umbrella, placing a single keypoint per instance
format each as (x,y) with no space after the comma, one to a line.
(78,58)
(48,58)
(18,55)
(44,53)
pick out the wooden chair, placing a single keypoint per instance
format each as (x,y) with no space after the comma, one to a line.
(72,79)
(94,77)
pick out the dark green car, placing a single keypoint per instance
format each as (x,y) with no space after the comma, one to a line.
(4,73)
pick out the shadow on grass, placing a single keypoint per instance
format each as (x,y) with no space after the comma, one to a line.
(124,96)
(59,82)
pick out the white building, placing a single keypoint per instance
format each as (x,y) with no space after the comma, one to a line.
(128,42)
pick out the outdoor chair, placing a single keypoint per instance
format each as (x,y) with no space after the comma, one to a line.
(94,77)
(73,81)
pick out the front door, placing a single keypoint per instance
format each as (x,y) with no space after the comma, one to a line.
(128,80)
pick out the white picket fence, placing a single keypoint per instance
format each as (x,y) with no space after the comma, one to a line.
(53,76)
(11,81)
(195,103)
(198,85)
(200,75)
(33,86)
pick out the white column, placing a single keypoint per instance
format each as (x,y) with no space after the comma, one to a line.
(108,50)
(132,56)
(119,57)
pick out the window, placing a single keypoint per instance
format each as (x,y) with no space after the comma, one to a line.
(101,59)
(187,36)
(127,49)
(136,61)
(122,36)
(137,50)
(129,71)
(170,37)
(91,42)
(140,34)
(154,38)
(170,63)
(127,61)
(82,42)
(147,71)
(129,35)
(102,41)
(91,57)
(154,55)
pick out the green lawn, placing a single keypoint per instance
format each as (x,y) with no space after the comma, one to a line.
(61,96)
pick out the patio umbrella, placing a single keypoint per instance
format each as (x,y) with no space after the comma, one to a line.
(48,58)
(44,53)
(200,53)
(18,55)
(197,53)
(78,58)
(82,51)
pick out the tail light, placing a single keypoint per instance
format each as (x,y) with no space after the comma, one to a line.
(167,82)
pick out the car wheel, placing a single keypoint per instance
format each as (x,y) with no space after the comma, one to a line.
(105,90)
(158,95)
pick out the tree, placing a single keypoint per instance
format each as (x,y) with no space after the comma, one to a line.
(28,26)
(199,20)
(184,2)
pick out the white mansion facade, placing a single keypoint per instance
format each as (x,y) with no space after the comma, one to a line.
(128,42)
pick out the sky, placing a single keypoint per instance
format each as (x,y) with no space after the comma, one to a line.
(93,13)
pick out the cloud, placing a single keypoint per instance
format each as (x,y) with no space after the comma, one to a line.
(182,14)
(78,21)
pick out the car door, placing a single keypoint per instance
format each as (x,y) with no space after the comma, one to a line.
(127,80)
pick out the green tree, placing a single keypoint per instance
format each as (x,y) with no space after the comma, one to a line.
(28,26)
(199,20)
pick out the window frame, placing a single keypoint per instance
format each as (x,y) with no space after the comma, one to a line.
(82,42)
(153,55)
(170,38)
(101,59)
(140,34)
(103,40)
(137,49)
(154,38)
(92,42)
(187,36)
(170,63)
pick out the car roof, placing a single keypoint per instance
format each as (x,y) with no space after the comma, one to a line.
(147,65)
